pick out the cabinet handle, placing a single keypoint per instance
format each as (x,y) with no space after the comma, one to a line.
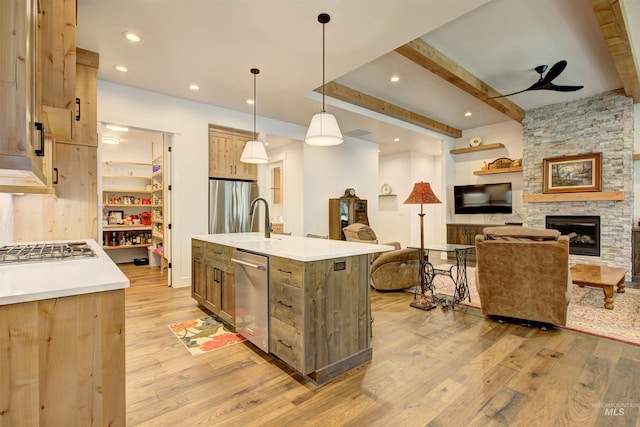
(55,174)
(285,344)
(285,304)
(285,271)
(40,150)
(78,105)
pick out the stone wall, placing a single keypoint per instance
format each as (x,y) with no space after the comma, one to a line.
(602,123)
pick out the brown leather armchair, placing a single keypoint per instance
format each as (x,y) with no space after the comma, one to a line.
(523,273)
(393,270)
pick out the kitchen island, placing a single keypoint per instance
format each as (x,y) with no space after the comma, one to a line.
(62,341)
(319,313)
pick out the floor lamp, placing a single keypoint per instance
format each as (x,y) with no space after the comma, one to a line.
(422,194)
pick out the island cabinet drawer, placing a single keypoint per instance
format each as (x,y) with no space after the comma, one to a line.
(286,304)
(287,343)
(218,252)
(286,271)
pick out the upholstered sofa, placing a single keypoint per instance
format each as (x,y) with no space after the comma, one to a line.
(392,270)
(523,273)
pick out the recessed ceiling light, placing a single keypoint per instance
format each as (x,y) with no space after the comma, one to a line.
(396,139)
(122,68)
(131,37)
(117,128)
(250,101)
(468,114)
(394,79)
(110,140)
(194,86)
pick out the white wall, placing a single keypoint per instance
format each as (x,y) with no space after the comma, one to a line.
(400,222)
(460,169)
(328,171)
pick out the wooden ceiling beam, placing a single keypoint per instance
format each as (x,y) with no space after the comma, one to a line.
(613,27)
(432,60)
(352,96)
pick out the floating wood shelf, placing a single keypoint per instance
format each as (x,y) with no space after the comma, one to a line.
(494,146)
(109,248)
(574,197)
(636,156)
(387,195)
(501,170)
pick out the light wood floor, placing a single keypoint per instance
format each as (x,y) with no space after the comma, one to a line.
(436,368)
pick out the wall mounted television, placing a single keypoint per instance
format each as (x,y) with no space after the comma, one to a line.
(482,198)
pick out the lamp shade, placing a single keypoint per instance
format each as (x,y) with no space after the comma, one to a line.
(254,152)
(420,194)
(323,130)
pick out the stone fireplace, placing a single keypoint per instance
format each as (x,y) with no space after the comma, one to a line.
(602,123)
(583,232)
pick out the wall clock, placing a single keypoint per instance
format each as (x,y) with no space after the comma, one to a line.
(385,189)
(475,141)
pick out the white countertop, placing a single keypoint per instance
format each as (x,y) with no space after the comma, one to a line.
(32,281)
(293,247)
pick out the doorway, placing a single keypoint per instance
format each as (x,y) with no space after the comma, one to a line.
(134,196)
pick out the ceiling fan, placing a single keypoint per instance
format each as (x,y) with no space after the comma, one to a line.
(544,83)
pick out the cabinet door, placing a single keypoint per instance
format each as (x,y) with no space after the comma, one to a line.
(212,287)
(75,214)
(85,129)
(227,296)
(197,279)
(248,171)
(57,52)
(221,151)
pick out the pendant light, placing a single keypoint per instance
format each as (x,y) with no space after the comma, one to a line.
(254,151)
(323,129)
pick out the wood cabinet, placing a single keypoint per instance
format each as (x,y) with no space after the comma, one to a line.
(345,211)
(63,361)
(198,278)
(85,123)
(319,315)
(225,148)
(464,234)
(213,279)
(20,142)
(72,212)
(57,53)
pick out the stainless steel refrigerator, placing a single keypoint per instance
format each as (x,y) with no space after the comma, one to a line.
(229,204)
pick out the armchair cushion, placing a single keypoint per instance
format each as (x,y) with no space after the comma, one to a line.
(396,270)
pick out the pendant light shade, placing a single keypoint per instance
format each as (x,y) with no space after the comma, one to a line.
(323,129)
(254,151)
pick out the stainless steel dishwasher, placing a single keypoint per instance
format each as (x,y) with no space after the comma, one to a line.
(252,297)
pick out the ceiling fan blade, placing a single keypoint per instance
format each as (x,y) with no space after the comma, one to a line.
(509,94)
(555,71)
(564,88)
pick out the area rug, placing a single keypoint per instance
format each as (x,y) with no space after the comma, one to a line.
(586,312)
(204,334)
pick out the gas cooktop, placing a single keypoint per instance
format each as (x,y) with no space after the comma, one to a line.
(36,252)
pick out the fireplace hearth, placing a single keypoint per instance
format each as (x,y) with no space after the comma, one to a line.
(583,232)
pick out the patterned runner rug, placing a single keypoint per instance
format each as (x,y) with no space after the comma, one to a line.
(204,334)
(586,309)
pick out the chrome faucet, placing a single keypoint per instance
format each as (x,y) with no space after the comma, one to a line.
(267,225)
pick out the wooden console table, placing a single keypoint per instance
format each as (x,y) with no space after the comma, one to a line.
(600,277)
